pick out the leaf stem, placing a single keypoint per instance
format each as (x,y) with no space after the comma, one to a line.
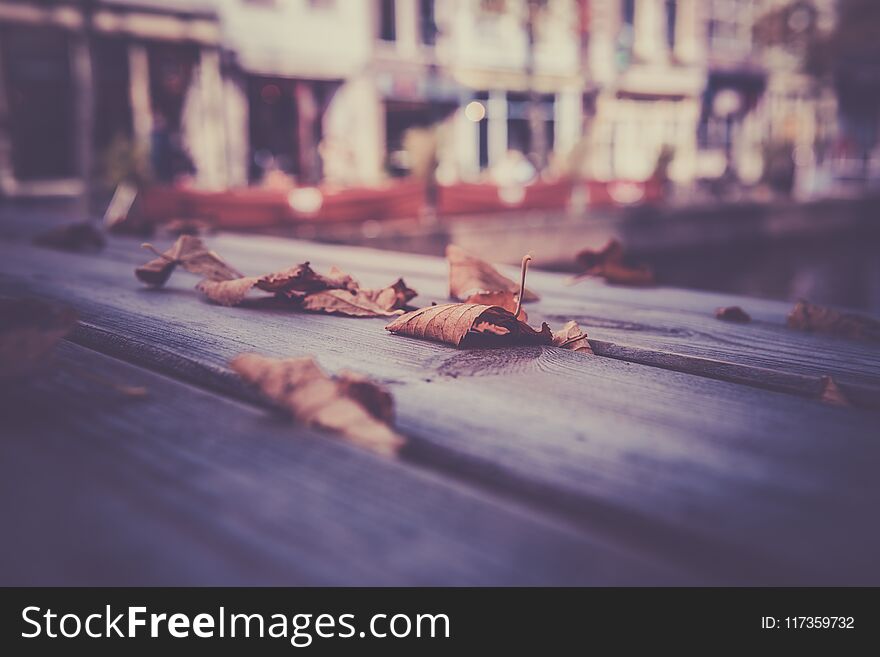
(522,282)
(153,249)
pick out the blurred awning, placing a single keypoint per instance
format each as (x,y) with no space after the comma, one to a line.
(419,86)
(170,21)
(515,80)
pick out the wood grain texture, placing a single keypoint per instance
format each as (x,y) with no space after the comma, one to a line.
(661,327)
(673,323)
(183,487)
(730,479)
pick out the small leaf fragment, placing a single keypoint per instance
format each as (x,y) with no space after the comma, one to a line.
(832,394)
(350,405)
(190,253)
(572,337)
(733,314)
(394,297)
(806,316)
(608,263)
(469,275)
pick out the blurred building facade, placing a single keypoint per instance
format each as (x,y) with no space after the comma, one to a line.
(232,92)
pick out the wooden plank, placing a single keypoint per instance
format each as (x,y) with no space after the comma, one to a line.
(764,353)
(743,481)
(661,327)
(185,487)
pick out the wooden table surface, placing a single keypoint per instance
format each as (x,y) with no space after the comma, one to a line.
(687,451)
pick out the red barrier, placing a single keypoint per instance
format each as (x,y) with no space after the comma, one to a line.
(258,208)
(617,193)
(475,198)
(400,199)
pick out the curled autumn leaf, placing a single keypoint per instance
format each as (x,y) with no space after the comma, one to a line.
(343,302)
(608,263)
(468,325)
(190,253)
(485,325)
(806,316)
(733,314)
(348,404)
(469,275)
(589,259)
(293,283)
(507,300)
(79,237)
(29,331)
(303,288)
(394,297)
(471,325)
(572,337)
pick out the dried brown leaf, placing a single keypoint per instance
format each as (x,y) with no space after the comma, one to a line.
(608,263)
(344,302)
(733,314)
(618,274)
(336,293)
(832,394)
(572,337)
(507,300)
(349,405)
(587,259)
(190,253)
(228,293)
(178,227)
(302,279)
(807,316)
(79,237)
(469,275)
(468,325)
(394,297)
(29,330)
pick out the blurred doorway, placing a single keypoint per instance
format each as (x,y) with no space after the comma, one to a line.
(41,104)
(285,126)
(402,116)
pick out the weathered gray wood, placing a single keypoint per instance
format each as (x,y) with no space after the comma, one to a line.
(184,487)
(730,478)
(661,327)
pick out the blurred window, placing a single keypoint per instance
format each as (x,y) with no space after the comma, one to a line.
(671,14)
(729,29)
(387,18)
(519,134)
(427,22)
(628,12)
(626,34)
(274,121)
(41,107)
